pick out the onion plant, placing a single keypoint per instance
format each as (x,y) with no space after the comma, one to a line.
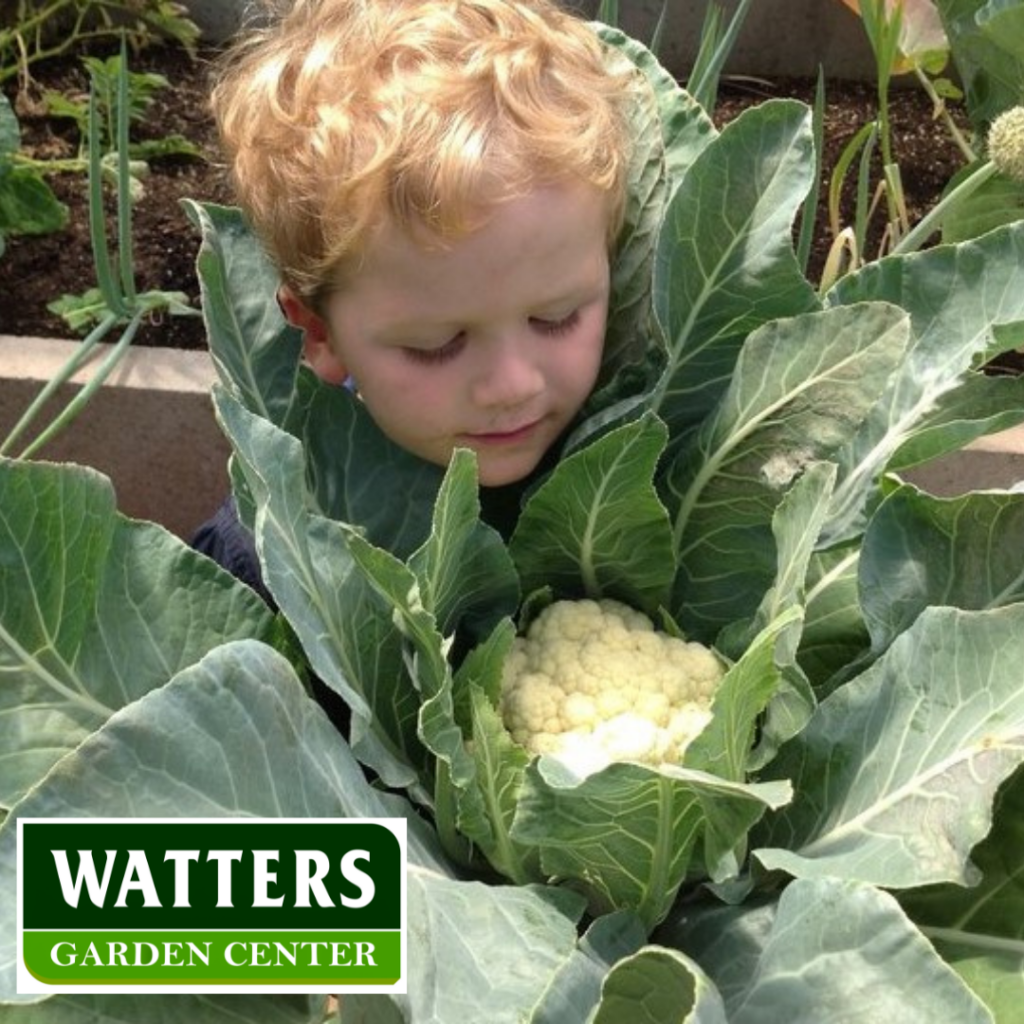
(117,305)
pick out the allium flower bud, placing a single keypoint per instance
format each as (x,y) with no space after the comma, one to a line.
(1006,143)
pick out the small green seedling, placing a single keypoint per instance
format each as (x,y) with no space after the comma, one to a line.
(142,89)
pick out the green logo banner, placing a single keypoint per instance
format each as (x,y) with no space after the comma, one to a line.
(211,905)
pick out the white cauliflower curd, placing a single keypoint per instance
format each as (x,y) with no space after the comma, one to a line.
(592,682)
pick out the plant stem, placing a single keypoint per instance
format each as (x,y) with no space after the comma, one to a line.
(664,849)
(75,406)
(932,221)
(33,22)
(124,197)
(445,812)
(75,37)
(63,375)
(68,165)
(941,110)
(112,295)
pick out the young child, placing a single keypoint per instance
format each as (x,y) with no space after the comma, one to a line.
(440,184)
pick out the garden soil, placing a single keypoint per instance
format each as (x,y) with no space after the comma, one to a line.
(35,270)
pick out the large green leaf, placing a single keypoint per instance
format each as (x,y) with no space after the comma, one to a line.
(956,296)
(626,835)
(725,262)
(796,524)
(827,950)
(684,127)
(184,1009)
(95,611)
(983,403)
(487,806)
(668,130)
(659,986)
(919,551)
(980,931)
(724,746)
(234,735)
(577,988)
(255,351)
(801,390)
(834,635)
(28,206)
(343,624)
(463,569)
(996,201)
(477,952)
(896,770)
(596,527)
(986,38)
(351,464)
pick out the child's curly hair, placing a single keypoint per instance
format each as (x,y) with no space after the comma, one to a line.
(345,112)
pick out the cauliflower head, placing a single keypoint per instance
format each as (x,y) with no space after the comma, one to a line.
(592,682)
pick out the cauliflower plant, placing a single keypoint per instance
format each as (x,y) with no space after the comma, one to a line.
(592,682)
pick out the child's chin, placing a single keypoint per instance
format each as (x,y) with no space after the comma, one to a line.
(497,465)
(499,473)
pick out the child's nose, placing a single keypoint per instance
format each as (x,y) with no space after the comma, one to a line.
(508,377)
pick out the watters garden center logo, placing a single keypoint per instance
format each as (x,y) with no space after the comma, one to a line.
(211,905)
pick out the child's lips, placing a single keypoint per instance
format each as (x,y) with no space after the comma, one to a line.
(511,436)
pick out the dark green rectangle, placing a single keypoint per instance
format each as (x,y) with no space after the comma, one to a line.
(294,842)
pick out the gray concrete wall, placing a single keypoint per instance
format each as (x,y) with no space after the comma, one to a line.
(993,462)
(779,37)
(151,428)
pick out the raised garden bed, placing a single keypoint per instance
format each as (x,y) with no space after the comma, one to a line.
(163,389)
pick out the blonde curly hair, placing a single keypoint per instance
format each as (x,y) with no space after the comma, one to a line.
(341,114)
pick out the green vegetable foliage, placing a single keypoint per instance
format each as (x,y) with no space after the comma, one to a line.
(832,845)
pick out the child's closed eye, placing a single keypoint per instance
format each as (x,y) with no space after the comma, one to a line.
(450,349)
(436,356)
(560,326)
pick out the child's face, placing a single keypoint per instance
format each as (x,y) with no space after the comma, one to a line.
(492,343)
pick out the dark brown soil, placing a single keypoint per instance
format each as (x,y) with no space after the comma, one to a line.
(923,146)
(35,270)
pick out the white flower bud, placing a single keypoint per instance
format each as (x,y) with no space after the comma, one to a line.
(1006,143)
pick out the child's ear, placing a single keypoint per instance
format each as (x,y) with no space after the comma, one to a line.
(316,342)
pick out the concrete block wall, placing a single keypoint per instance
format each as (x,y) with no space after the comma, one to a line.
(993,462)
(778,38)
(150,428)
